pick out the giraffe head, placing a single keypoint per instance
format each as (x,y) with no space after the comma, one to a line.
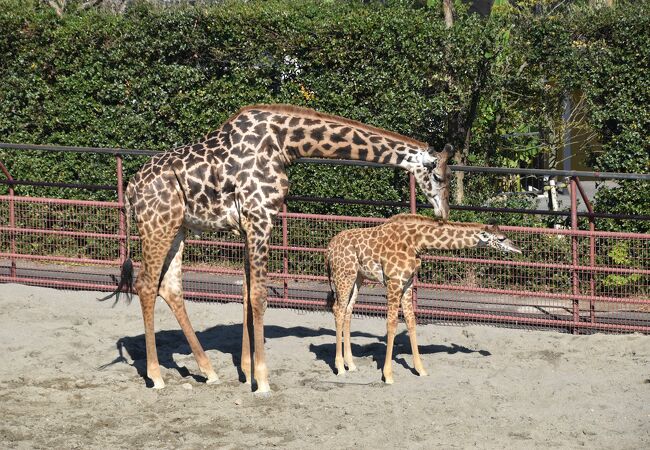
(432,175)
(492,237)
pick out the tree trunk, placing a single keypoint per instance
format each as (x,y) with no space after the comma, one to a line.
(448,9)
(464,128)
(460,158)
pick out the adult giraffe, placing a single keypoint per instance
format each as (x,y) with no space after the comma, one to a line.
(235,179)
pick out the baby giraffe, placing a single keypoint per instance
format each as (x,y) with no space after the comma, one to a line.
(387,253)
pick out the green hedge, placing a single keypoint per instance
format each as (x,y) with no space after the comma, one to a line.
(612,56)
(159,77)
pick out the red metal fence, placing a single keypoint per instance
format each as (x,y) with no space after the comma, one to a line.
(566,279)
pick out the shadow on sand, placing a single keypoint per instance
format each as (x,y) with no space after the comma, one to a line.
(227,339)
(377,350)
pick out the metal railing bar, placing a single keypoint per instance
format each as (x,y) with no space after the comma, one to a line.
(338,201)
(65,148)
(341,162)
(530,264)
(90,187)
(554,173)
(84,234)
(61,201)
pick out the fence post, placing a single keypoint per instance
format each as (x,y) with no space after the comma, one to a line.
(413,208)
(12,221)
(574,253)
(120,201)
(592,252)
(412,193)
(285,253)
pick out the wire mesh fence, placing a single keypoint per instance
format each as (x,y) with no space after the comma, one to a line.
(566,279)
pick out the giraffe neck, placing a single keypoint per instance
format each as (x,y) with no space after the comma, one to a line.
(301,132)
(449,236)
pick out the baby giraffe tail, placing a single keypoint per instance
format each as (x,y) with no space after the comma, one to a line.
(125,283)
(331,296)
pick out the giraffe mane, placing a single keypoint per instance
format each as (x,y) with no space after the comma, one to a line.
(423,220)
(312,114)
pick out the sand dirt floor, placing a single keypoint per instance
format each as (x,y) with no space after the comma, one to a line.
(72,378)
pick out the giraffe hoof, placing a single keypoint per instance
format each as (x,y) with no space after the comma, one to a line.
(213,379)
(263,386)
(263,391)
(352,368)
(259,394)
(158,384)
(422,373)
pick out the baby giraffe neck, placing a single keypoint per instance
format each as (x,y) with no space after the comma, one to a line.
(447,236)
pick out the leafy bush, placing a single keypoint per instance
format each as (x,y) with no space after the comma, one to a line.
(156,78)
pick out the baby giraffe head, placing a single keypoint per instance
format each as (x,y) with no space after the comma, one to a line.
(492,237)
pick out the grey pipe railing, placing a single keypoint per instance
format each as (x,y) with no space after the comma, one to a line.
(340,162)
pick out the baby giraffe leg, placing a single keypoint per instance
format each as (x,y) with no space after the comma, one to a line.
(346,329)
(339,316)
(409,318)
(394,294)
(344,287)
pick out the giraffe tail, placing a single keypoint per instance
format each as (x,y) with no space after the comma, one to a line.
(125,282)
(331,296)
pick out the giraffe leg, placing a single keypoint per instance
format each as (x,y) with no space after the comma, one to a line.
(247,331)
(257,252)
(339,315)
(346,329)
(393,297)
(171,290)
(147,303)
(154,249)
(409,318)
(344,286)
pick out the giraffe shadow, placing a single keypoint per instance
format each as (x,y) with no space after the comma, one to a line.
(377,350)
(225,339)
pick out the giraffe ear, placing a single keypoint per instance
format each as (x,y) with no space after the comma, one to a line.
(442,155)
(446,152)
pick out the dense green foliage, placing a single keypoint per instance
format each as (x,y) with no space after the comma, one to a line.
(159,77)
(612,57)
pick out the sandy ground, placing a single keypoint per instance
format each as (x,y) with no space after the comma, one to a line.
(63,383)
